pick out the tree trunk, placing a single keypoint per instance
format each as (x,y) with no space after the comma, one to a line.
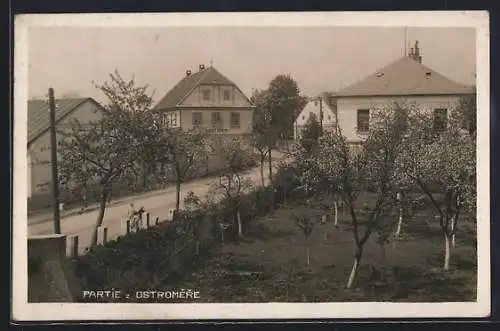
(447,252)
(144,176)
(336,213)
(355,267)
(270,167)
(453,231)
(383,256)
(262,160)
(240,226)
(400,222)
(100,216)
(177,194)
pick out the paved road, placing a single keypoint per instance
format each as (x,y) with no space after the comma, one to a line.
(157,205)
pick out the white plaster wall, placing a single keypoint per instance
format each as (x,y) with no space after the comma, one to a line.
(347,109)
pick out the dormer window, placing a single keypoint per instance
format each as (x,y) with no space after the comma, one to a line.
(379,74)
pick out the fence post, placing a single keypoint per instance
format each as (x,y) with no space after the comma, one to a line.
(147,220)
(72,246)
(126,227)
(102,235)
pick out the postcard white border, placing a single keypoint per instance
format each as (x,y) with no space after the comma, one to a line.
(23,311)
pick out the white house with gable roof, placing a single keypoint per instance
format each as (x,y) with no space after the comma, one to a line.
(405,81)
(316,107)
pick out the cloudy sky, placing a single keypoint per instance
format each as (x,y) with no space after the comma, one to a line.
(319,59)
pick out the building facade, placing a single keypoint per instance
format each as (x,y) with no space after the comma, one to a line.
(406,82)
(39,147)
(322,109)
(207,100)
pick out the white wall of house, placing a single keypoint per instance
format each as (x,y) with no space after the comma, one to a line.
(313,107)
(39,157)
(348,107)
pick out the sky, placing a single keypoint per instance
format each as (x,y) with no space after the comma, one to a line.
(320,59)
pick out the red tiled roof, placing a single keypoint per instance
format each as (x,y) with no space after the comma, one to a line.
(404,77)
(207,76)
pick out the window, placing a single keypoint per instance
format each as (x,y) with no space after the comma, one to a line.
(363,120)
(206,95)
(226,95)
(216,119)
(329,117)
(170,119)
(440,119)
(235,120)
(197,119)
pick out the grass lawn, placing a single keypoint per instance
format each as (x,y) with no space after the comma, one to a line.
(269,264)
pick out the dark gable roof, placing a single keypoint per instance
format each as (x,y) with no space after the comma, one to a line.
(207,76)
(39,116)
(404,77)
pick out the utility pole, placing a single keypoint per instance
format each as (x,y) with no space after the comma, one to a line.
(53,151)
(321,114)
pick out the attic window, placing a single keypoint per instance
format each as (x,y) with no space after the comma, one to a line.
(428,74)
(379,74)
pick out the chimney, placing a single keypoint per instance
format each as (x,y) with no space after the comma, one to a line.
(202,66)
(188,72)
(415,53)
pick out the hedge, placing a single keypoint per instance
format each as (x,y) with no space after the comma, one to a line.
(152,255)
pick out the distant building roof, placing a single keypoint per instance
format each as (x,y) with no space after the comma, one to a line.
(206,76)
(39,116)
(405,76)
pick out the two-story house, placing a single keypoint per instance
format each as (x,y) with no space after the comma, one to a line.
(405,81)
(38,148)
(208,100)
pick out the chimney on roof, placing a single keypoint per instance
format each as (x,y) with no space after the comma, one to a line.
(415,53)
(188,72)
(202,66)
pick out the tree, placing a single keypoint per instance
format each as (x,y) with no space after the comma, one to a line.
(467,113)
(285,102)
(129,97)
(95,155)
(355,172)
(231,184)
(259,143)
(306,225)
(264,132)
(311,134)
(442,164)
(184,150)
